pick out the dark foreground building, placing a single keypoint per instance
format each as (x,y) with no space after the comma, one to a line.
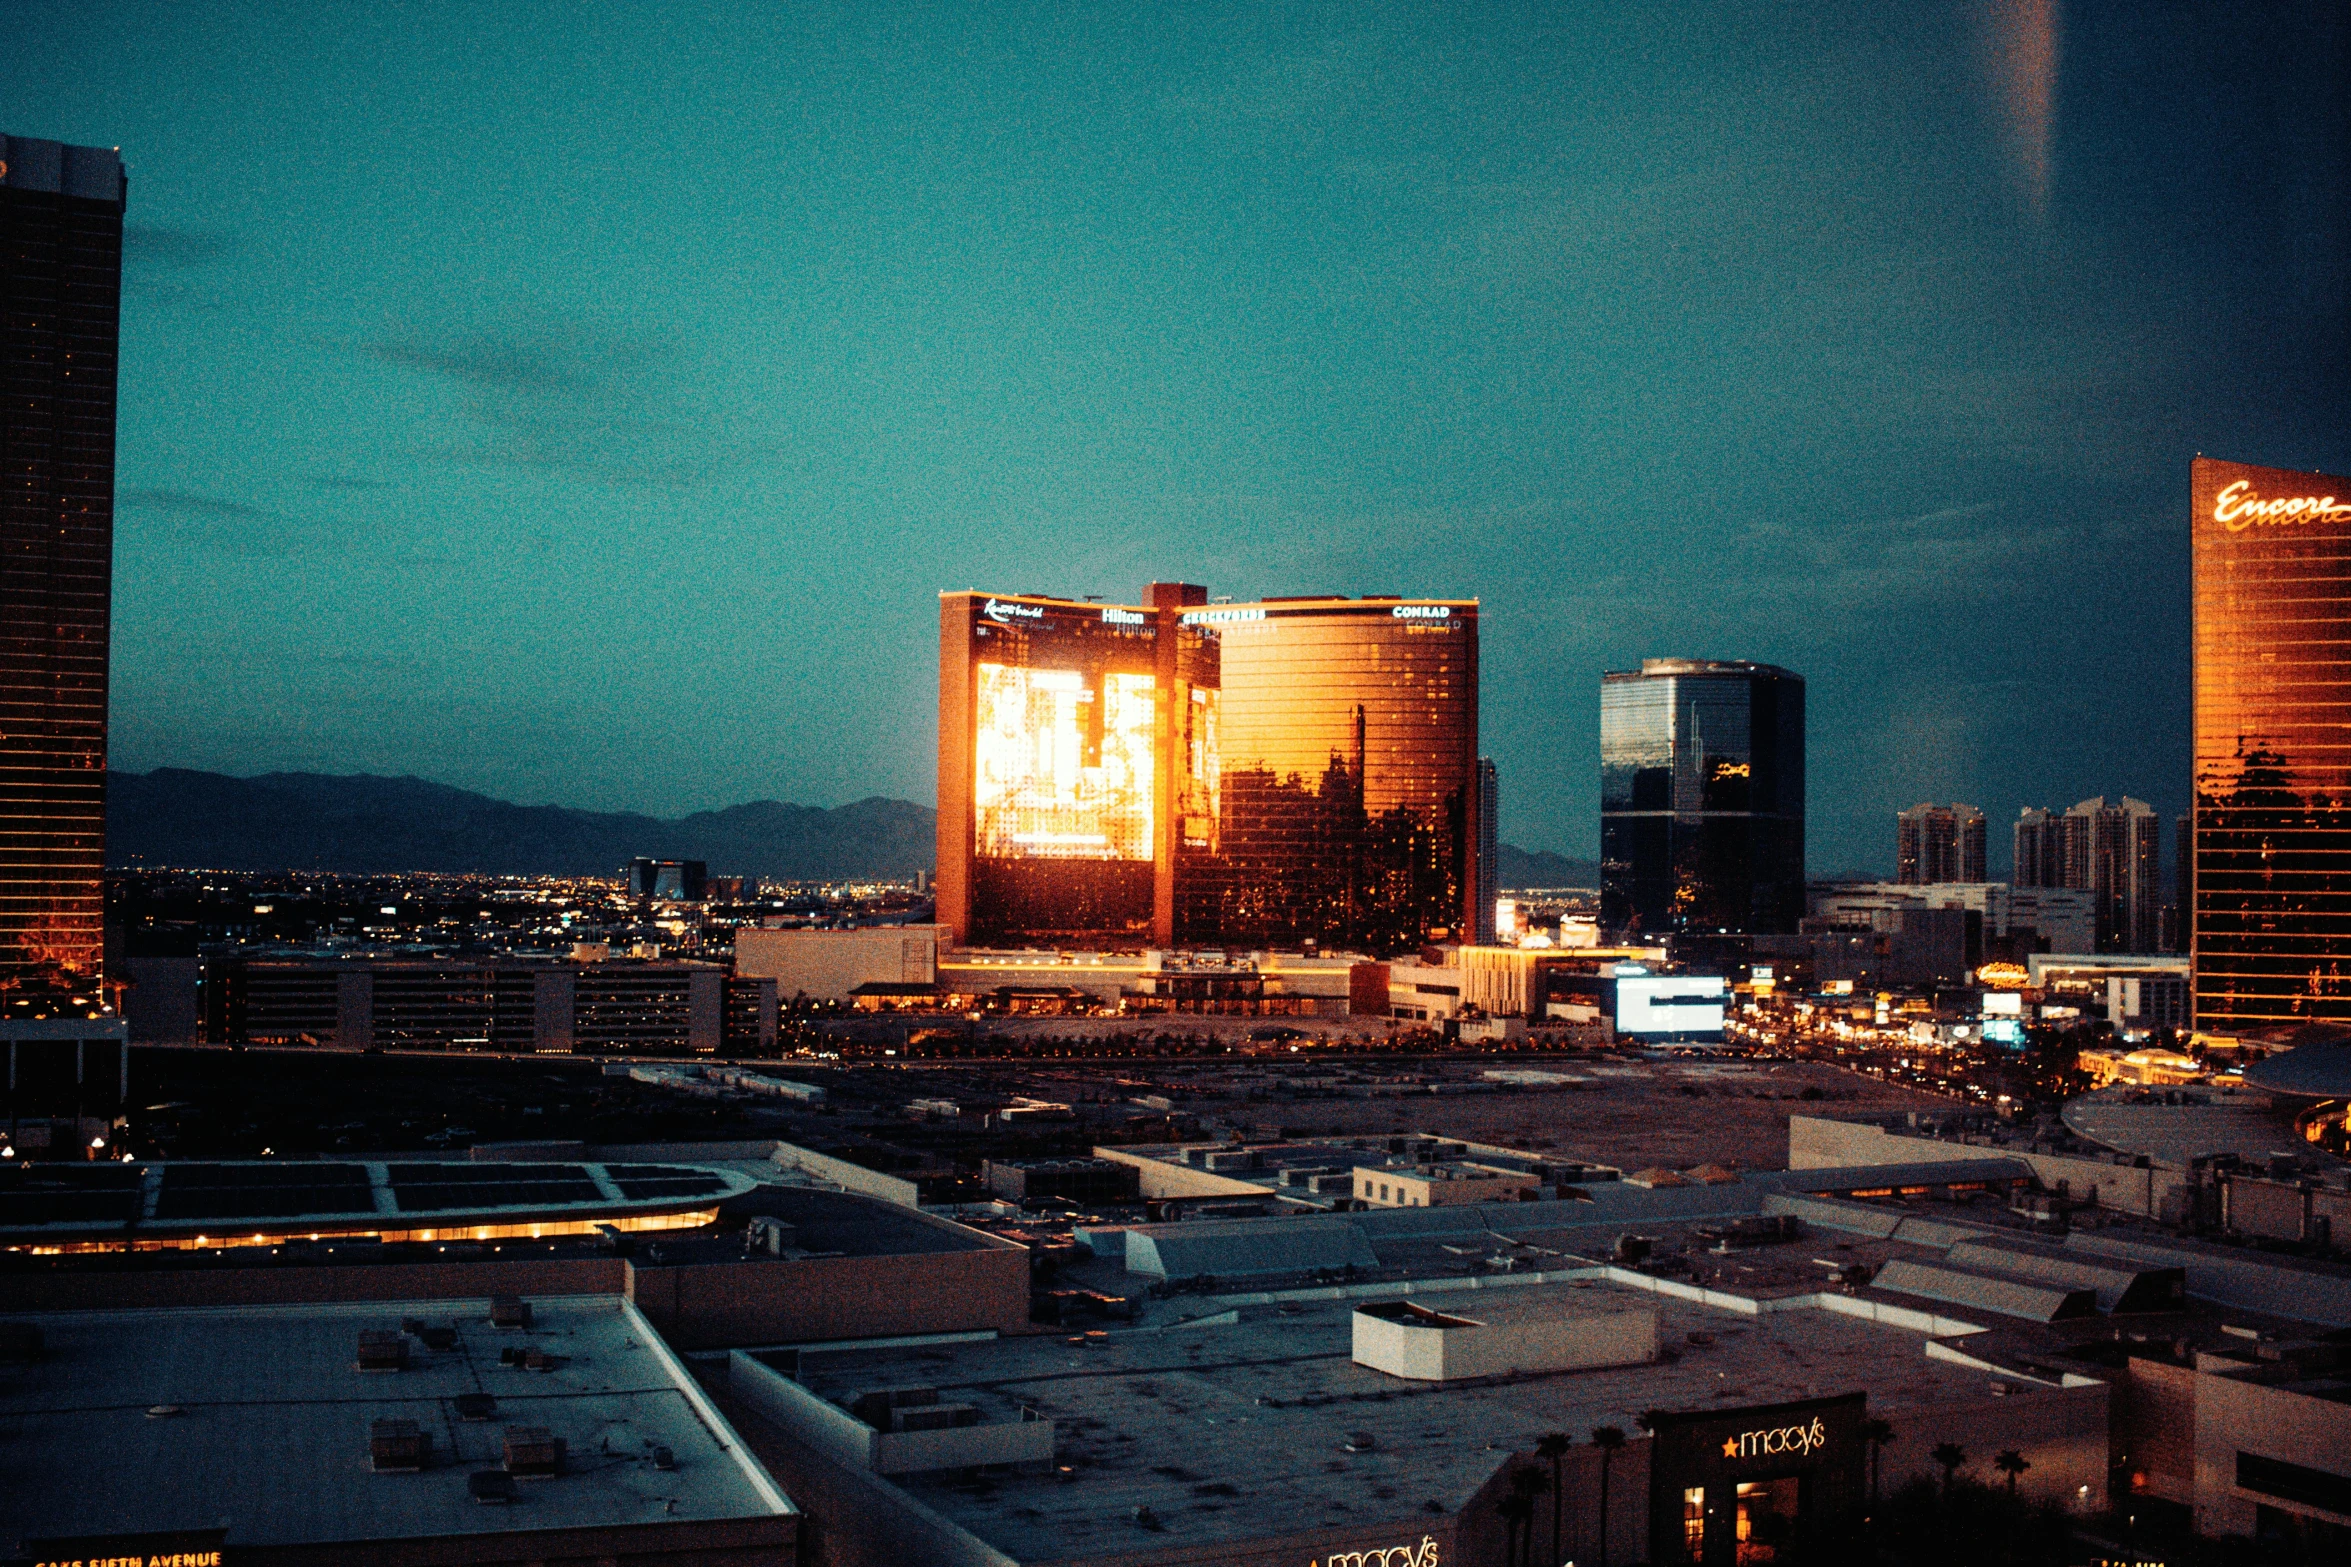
(1701,798)
(1181,773)
(60,293)
(2271,915)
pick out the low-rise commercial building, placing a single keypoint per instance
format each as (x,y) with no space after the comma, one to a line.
(830,965)
(469,1433)
(508,1005)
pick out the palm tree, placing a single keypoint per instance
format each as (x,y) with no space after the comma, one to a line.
(1518,1513)
(1609,1439)
(1527,1484)
(1877,1433)
(1950,1455)
(1554,1445)
(2011,1463)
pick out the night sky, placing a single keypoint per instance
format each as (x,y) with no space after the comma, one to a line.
(585,403)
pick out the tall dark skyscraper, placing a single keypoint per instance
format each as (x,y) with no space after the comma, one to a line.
(1181,773)
(2270,880)
(60,296)
(1701,798)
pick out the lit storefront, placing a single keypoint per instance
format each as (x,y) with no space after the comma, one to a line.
(1735,1486)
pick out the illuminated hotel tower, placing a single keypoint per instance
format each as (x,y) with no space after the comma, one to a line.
(2270,920)
(1180,773)
(60,294)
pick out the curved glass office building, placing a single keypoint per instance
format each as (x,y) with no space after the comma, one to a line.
(2271,880)
(1701,797)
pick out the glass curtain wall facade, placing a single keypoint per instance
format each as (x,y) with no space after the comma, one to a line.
(1187,774)
(1701,798)
(1350,786)
(2270,881)
(1067,786)
(60,294)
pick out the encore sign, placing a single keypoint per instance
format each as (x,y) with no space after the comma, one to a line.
(2240,507)
(1421,1555)
(1779,1439)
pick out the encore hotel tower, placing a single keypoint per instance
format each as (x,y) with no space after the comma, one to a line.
(1181,773)
(60,294)
(2271,921)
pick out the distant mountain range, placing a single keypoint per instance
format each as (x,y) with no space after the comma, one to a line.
(314,821)
(1541,868)
(309,821)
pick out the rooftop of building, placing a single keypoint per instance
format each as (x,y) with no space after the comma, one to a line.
(1254,1421)
(2172,1126)
(258,1419)
(2312,1062)
(187,1199)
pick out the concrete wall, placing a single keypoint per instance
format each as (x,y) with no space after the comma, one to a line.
(2060,1431)
(849,1177)
(827,964)
(850,1517)
(1160,1179)
(1425,1351)
(708,1305)
(1815,1143)
(2152,1429)
(2233,1416)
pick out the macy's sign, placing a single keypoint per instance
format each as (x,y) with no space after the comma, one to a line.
(1779,1439)
(1421,1555)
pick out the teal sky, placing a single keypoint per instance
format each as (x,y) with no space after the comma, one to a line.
(585,403)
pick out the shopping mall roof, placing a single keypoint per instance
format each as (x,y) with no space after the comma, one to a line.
(260,1420)
(176,1201)
(1253,1424)
(2313,1062)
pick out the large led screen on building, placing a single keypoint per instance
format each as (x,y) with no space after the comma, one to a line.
(1688,1004)
(1061,765)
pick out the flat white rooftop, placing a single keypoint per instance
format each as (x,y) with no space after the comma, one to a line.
(271,1438)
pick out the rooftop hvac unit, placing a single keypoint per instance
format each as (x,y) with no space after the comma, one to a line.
(490,1485)
(476,1406)
(875,1408)
(398,1444)
(383,1351)
(509,1311)
(533,1450)
(442,1338)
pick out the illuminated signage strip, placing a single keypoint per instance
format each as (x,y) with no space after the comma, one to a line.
(2238,507)
(1001,612)
(1421,1555)
(1220,617)
(1775,1440)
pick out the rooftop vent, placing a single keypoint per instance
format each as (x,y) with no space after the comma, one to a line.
(382,1351)
(663,1458)
(1360,1442)
(430,1337)
(476,1406)
(509,1311)
(533,1450)
(490,1485)
(398,1445)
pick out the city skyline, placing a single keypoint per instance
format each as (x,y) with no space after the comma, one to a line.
(475,457)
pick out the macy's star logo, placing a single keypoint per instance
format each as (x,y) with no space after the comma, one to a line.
(1730,1447)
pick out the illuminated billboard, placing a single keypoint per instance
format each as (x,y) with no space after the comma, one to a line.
(1062,764)
(1669,1004)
